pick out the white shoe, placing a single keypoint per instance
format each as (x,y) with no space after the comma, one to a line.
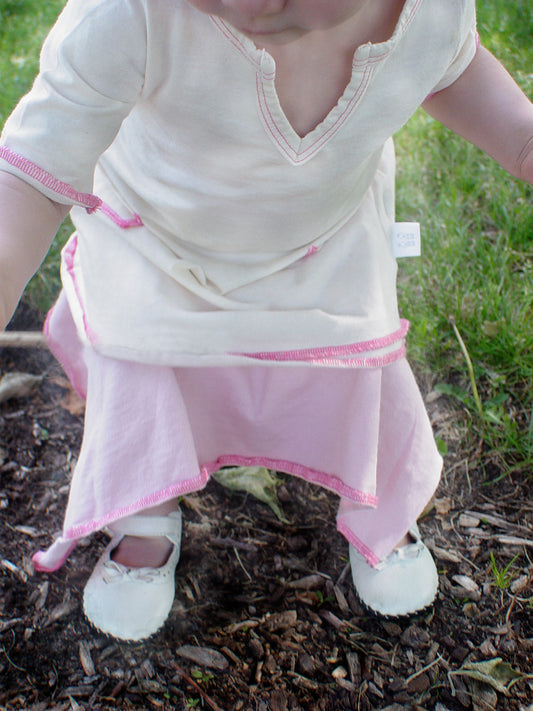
(133,603)
(404,582)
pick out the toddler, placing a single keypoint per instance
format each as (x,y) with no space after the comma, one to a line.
(229,291)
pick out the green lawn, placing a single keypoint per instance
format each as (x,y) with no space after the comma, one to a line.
(476,271)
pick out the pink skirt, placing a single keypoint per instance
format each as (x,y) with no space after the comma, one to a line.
(154,432)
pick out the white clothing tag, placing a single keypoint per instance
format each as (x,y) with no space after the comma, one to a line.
(406,239)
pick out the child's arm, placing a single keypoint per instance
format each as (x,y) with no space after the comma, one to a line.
(28,224)
(486,107)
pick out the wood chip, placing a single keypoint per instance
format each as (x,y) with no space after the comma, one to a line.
(86,659)
(303,681)
(8,624)
(8,565)
(245,624)
(354,665)
(17,385)
(203,656)
(466,583)
(341,600)
(415,637)
(279,700)
(27,530)
(281,620)
(419,684)
(514,541)
(345,684)
(521,584)
(489,518)
(466,521)
(443,506)
(339,673)
(444,554)
(333,620)
(64,609)
(310,582)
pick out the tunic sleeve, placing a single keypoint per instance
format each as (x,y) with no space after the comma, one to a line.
(92,70)
(467,42)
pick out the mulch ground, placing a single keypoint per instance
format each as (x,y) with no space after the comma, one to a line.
(265,617)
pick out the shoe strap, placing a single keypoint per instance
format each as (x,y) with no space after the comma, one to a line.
(149,526)
(409,550)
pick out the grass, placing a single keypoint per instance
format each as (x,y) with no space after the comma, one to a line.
(502,576)
(470,296)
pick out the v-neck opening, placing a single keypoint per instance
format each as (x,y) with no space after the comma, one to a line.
(299,149)
(294,147)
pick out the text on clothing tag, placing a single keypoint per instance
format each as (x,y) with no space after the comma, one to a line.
(406,239)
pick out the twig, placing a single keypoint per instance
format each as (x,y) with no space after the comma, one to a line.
(22,339)
(242,564)
(508,615)
(208,700)
(424,669)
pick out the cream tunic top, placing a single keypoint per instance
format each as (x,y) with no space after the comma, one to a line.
(208,232)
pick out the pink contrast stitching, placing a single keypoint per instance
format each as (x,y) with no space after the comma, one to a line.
(89,201)
(365,551)
(280,139)
(237,43)
(124,224)
(376,362)
(153,499)
(310,354)
(328,481)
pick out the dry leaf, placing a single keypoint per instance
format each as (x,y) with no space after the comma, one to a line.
(495,672)
(71,402)
(257,481)
(18,385)
(484,697)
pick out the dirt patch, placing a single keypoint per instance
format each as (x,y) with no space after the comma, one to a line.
(265,617)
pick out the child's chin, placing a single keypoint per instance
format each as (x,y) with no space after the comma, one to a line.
(275,38)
